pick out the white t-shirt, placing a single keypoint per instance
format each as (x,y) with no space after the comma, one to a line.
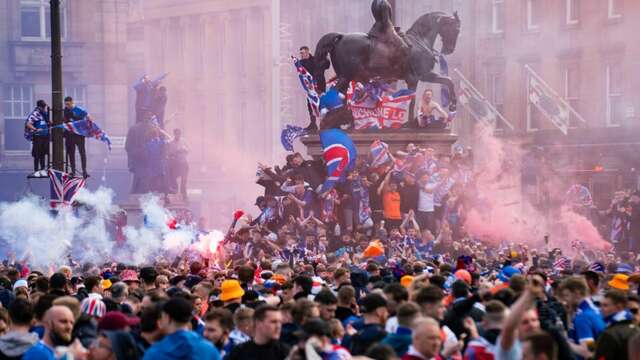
(425,201)
(392,325)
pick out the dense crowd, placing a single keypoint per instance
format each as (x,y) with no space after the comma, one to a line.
(379,266)
(316,309)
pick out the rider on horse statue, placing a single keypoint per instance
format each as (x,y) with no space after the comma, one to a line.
(385,34)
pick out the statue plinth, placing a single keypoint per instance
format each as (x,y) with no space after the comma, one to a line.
(440,140)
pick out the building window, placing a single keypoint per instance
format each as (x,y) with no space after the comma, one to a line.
(497,16)
(78,93)
(35,20)
(571,12)
(614,9)
(495,94)
(532,14)
(17,103)
(533,114)
(613,82)
(571,92)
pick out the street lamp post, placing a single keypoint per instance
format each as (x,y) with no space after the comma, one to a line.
(56,86)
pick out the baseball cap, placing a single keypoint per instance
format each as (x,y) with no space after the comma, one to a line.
(116,320)
(20,283)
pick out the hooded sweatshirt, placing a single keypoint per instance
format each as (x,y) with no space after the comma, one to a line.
(14,344)
(182,345)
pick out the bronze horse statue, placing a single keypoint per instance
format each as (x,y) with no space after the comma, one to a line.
(379,55)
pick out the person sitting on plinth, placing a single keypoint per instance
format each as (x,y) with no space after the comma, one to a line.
(426,116)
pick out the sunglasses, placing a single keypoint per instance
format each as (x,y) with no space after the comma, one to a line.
(634,311)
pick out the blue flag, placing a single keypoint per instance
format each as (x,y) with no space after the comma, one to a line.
(87,128)
(289,134)
(444,91)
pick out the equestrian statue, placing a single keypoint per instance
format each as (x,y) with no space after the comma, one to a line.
(387,54)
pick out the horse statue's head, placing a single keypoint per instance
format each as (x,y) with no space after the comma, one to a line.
(449,29)
(429,26)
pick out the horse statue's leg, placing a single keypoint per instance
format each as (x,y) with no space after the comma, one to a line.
(436,78)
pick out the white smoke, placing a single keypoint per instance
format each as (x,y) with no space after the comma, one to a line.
(156,236)
(30,231)
(92,242)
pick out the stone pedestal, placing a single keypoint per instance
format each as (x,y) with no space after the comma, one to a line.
(440,140)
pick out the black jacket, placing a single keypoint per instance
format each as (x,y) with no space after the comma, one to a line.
(369,335)
(612,343)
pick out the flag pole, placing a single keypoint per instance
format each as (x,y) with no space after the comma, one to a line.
(566,104)
(488,103)
(56,86)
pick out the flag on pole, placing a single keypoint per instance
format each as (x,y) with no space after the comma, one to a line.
(87,128)
(308,85)
(479,107)
(444,91)
(550,104)
(64,188)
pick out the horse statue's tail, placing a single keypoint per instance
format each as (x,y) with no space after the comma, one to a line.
(322,62)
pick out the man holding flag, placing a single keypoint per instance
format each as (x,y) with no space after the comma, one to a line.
(37,130)
(74,113)
(304,66)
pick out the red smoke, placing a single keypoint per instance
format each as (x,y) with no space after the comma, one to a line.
(502,213)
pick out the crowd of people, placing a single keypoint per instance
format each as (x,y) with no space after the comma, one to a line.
(380,266)
(316,309)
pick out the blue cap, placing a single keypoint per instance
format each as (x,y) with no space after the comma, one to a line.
(624,268)
(507,272)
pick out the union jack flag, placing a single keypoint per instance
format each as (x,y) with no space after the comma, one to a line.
(308,85)
(597,267)
(561,263)
(387,112)
(64,188)
(379,153)
(87,128)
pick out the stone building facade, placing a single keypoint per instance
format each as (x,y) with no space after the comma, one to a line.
(585,51)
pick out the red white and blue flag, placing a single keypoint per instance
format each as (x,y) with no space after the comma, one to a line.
(87,128)
(379,153)
(308,85)
(386,111)
(561,263)
(64,188)
(339,154)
